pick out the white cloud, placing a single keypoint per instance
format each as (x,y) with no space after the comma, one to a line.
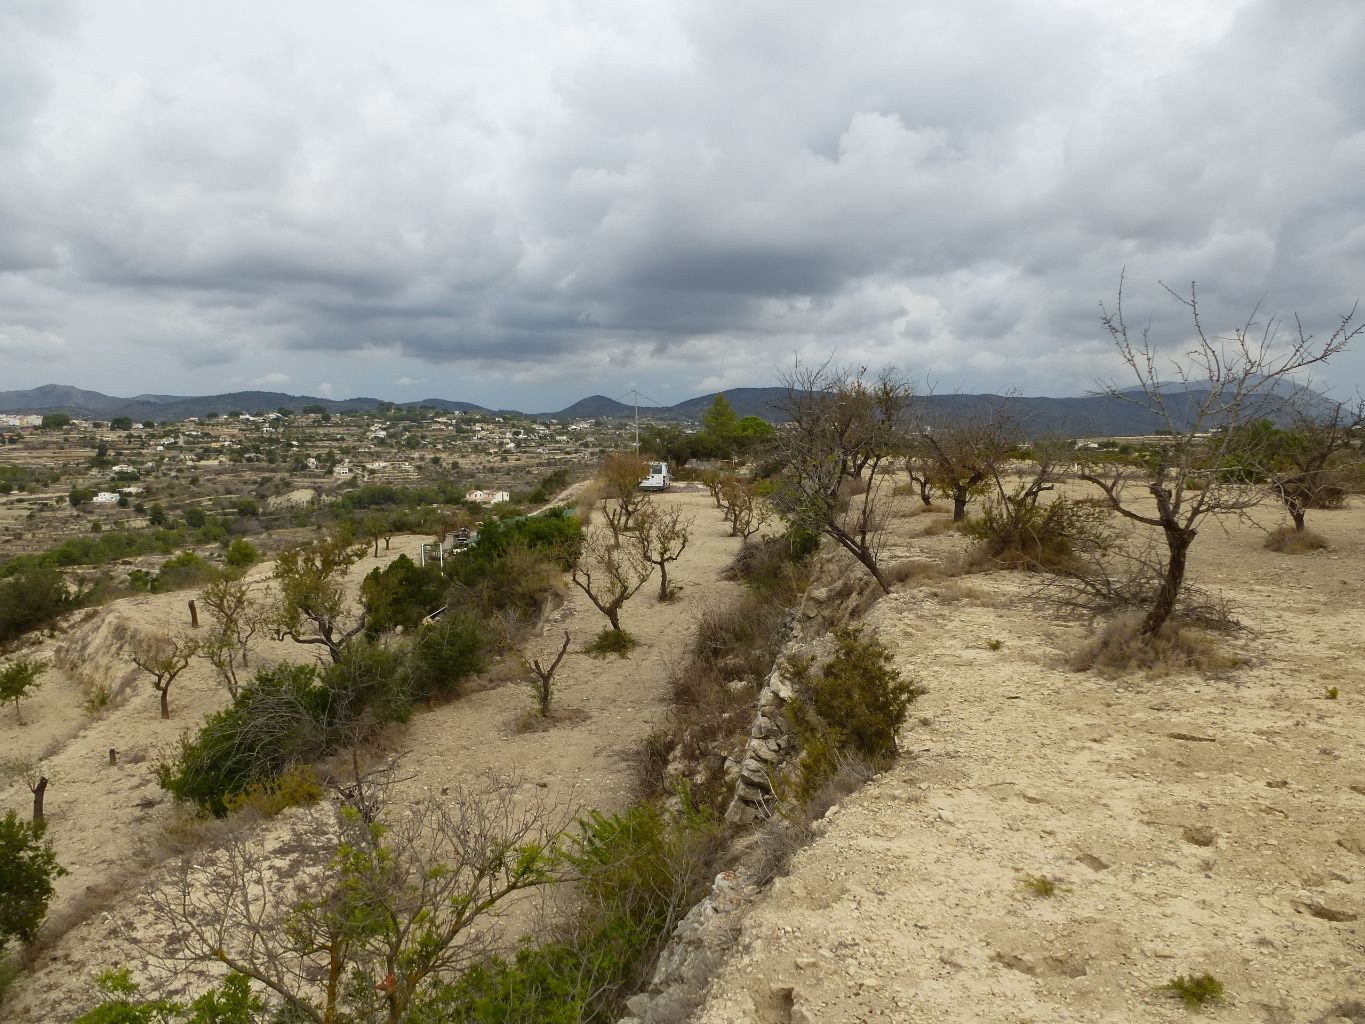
(678,193)
(326,390)
(21,345)
(271,379)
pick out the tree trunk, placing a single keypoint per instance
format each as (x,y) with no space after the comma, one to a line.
(166,703)
(959,504)
(614,617)
(870,563)
(924,492)
(1178,546)
(1296,512)
(38,793)
(663,580)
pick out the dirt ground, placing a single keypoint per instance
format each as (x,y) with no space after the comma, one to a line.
(1186,824)
(107,823)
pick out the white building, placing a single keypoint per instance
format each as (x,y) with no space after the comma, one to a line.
(488,497)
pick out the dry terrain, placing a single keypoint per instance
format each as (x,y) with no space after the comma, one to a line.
(108,823)
(1182,825)
(1053,845)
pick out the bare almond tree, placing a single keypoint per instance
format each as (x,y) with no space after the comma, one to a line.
(610,574)
(662,536)
(620,476)
(963,456)
(164,658)
(841,429)
(542,687)
(1203,400)
(1305,464)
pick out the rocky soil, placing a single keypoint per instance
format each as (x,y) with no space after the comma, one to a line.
(1056,845)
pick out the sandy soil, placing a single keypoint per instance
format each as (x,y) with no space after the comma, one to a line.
(107,822)
(1188,824)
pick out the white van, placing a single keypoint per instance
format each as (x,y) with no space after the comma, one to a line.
(659,477)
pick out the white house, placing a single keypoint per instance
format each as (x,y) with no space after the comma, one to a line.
(106,498)
(488,497)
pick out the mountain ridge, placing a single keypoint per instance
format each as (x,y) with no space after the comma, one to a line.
(1090,415)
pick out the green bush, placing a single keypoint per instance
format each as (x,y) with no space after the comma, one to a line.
(287,716)
(279,720)
(519,578)
(402,593)
(294,787)
(232,1002)
(32,598)
(640,871)
(27,869)
(241,553)
(854,707)
(612,641)
(445,653)
(1195,991)
(184,570)
(1016,532)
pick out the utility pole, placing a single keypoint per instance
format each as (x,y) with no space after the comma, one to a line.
(636,394)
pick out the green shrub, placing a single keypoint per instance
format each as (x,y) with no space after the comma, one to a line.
(241,553)
(231,1002)
(517,578)
(27,869)
(854,707)
(184,570)
(1195,991)
(32,598)
(402,593)
(445,653)
(279,720)
(1017,532)
(294,787)
(640,871)
(612,641)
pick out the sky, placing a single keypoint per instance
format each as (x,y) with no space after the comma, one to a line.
(523,203)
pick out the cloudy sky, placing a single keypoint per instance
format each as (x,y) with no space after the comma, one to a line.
(521,203)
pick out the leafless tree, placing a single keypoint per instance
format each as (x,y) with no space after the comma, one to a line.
(35,778)
(841,428)
(745,510)
(918,469)
(542,687)
(963,456)
(610,574)
(164,658)
(1306,464)
(375,907)
(620,477)
(1203,399)
(662,537)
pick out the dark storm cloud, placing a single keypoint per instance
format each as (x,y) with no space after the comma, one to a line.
(678,195)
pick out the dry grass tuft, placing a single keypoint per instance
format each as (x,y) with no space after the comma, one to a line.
(941,526)
(917,571)
(1122,648)
(1289,541)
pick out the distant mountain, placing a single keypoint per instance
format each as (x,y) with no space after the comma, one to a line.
(1094,415)
(600,406)
(765,403)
